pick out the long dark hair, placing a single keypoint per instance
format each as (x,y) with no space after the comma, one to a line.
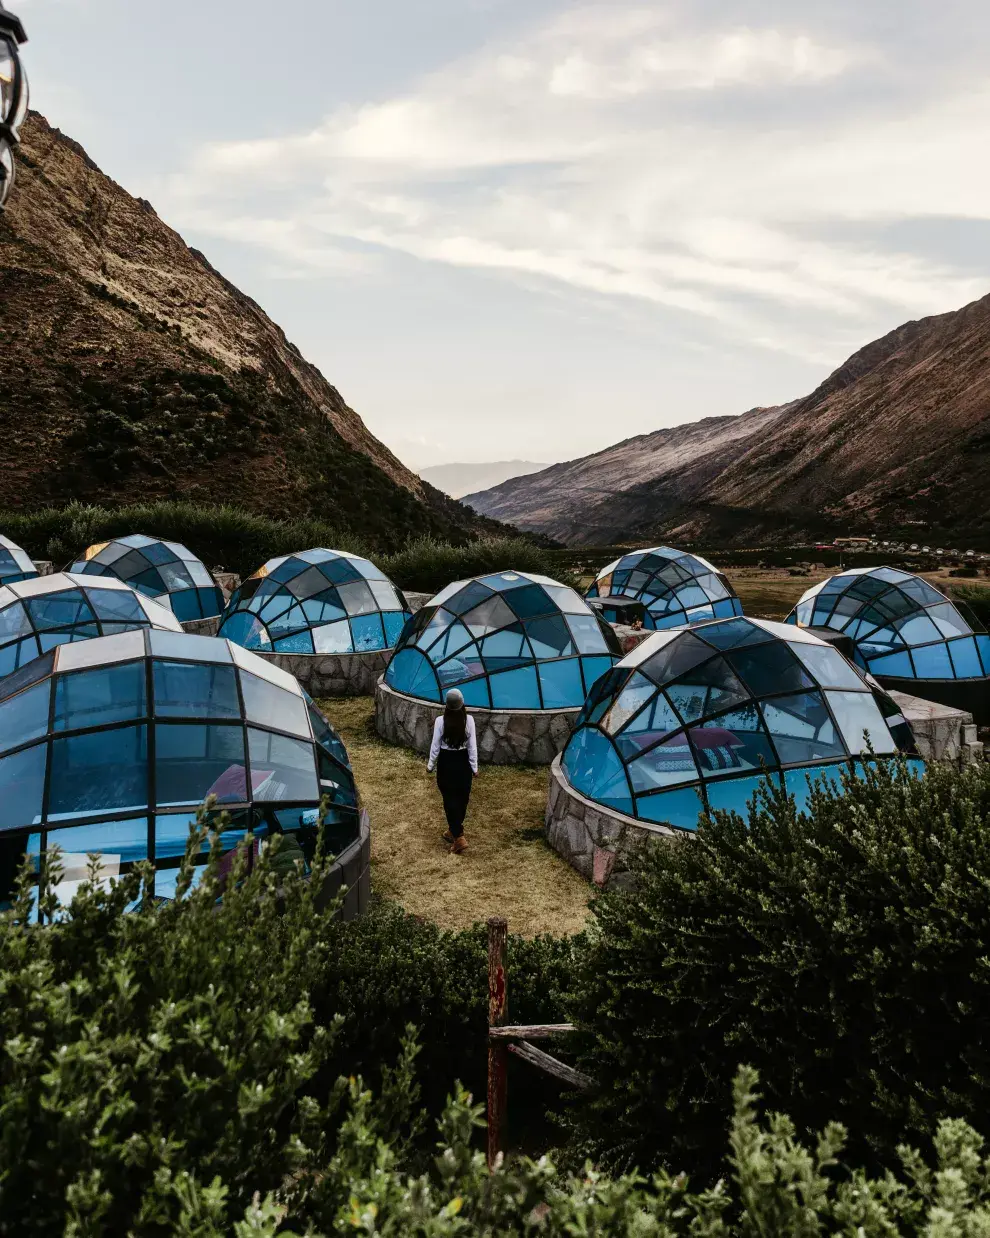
(454,726)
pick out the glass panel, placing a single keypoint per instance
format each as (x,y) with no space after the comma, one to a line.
(630,701)
(193,761)
(104,771)
(451,641)
(561,684)
(13,623)
(965,659)
(476,693)
(653,723)
(801,729)
(799,783)
(24,717)
(118,842)
(463,600)
(408,670)
(394,623)
(917,630)
(195,690)
(333,638)
(491,615)
(593,669)
(828,666)
(855,712)
(59,610)
(676,658)
(171,835)
(22,787)
(706,690)
(550,637)
(932,662)
(771,668)
(515,689)
(307,583)
(897,664)
(586,633)
(949,621)
(99,697)
(357,598)
(189,648)
(506,649)
(269,705)
(667,763)
(529,601)
(464,665)
(117,605)
(593,767)
(567,600)
(385,595)
(733,741)
(921,591)
(680,809)
(734,794)
(282,768)
(367,632)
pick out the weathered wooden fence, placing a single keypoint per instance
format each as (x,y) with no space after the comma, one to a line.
(505,1038)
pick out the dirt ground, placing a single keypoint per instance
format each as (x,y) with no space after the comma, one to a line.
(507,870)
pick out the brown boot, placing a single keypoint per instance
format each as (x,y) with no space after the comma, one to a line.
(460,845)
(448,838)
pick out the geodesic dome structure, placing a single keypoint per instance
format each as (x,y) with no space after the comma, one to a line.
(15,564)
(511,640)
(39,614)
(110,746)
(166,571)
(900,625)
(694,718)
(317,601)
(675,587)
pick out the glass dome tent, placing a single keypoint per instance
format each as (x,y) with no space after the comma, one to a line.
(165,571)
(110,745)
(900,625)
(675,587)
(317,601)
(15,564)
(692,718)
(511,640)
(38,615)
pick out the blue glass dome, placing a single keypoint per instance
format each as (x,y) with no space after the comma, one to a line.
(15,564)
(900,625)
(692,718)
(675,587)
(37,615)
(110,745)
(511,640)
(317,601)
(165,571)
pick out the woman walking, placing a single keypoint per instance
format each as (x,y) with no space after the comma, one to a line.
(454,755)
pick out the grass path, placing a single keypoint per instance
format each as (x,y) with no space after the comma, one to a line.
(508,869)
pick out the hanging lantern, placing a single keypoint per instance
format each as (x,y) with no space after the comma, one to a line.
(13,95)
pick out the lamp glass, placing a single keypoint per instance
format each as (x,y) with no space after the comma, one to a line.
(6,171)
(8,78)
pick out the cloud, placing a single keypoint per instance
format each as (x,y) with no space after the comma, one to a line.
(628,153)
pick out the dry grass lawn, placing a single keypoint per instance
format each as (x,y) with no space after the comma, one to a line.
(507,870)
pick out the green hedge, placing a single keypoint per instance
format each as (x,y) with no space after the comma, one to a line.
(843,954)
(241,541)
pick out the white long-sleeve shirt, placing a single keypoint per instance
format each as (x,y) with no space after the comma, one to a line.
(472,744)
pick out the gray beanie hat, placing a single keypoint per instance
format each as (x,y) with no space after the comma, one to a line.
(454,698)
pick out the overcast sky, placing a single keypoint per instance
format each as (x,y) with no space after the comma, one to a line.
(530,228)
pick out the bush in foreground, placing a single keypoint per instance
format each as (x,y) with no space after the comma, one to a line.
(843,953)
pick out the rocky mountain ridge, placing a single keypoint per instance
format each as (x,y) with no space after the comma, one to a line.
(898,437)
(132,369)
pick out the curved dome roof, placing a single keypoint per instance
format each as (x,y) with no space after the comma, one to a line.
(900,624)
(166,571)
(38,614)
(511,640)
(110,745)
(691,717)
(316,601)
(15,564)
(675,587)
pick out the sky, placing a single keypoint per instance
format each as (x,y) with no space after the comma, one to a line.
(531,228)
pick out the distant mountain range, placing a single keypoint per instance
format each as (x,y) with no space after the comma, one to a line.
(458,479)
(131,369)
(896,439)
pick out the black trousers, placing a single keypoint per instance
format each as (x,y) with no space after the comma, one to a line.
(454,778)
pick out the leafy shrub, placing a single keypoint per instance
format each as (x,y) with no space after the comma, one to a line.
(977,598)
(428,565)
(390,970)
(241,541)
(842,953)
(204,1040)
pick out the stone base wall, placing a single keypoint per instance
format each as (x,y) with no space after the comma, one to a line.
(629,637)
(352,871)
(941,732)
(416,600)
(333,674)
(505,737)
(228,581)
(202,627)
(592,838)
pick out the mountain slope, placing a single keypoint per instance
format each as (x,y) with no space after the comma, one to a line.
(899,435)
(130,369)
(458,479)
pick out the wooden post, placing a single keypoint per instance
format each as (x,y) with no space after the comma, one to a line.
(498,1056)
